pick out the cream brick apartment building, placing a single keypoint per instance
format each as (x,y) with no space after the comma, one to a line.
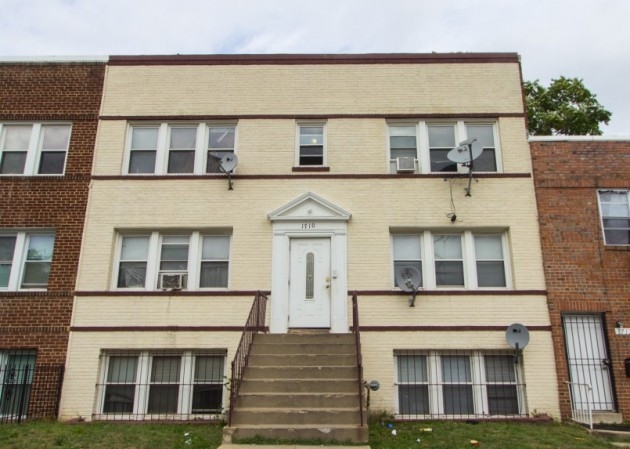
(341,179)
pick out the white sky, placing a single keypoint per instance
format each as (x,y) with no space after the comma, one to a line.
(587,39)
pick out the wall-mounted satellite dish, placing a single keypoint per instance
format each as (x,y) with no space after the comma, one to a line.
(227,163)
(465,153)
(409,280)
(517,336)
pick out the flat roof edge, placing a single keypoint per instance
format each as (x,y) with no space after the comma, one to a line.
(53,58)
(297,59)
(603,138)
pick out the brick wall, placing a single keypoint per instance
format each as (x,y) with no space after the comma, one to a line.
(583,275)
(33,92)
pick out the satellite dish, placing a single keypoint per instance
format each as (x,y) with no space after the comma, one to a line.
(517,336)
(227,162)
(466,152)
(409,280)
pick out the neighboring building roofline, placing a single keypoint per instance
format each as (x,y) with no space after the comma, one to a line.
(578,138)
(302,59)
(52,58)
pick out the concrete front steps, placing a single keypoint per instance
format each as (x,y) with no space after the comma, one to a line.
(300,387)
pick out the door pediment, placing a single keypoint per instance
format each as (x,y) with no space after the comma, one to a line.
(309,207)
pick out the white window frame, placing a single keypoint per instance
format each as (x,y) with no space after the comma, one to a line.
(422,141)
(435,383)
(20,252)
(143,383)
(468,255)
(163,146)
(392,161)
(34,151)
(311,124)
(601,213)
(153,271)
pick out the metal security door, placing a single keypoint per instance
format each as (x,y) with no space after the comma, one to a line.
(309,283)
(588,361)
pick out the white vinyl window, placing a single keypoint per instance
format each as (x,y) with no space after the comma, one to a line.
(457,384)
(311,145)
(25,260)
(614,208)
(139,385)
(471,260)
(429,142)
(168,148)
(33,148)
(403,148)
(155,260)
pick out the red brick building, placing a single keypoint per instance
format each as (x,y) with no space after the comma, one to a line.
(48,122)
(583,194)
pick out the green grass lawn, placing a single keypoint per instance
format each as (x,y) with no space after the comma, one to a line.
(443,435)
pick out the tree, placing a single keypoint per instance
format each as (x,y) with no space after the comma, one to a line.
(566,107)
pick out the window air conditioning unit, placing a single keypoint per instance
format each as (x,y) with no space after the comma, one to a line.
(406,164)
(173,281)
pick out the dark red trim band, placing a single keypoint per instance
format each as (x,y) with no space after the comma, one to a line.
(201,118)
(161,329)
(171,293)
(445,328)
(405,176)
(303,59)
(451,293)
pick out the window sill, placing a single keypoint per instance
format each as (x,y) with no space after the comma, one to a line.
(311,169)
(617,247)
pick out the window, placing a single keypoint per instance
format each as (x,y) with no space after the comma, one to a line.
(403,148)
(16,380)
(157,260)
(311,145)
(178,148)
(615,212)
(430,142)
(407,253)
(25,260)
(464,260)
(441,141)
(149,384)
(33,149)
(457,384)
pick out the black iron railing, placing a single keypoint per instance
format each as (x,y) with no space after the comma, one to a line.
(357,342)
(29,391)
(255,323)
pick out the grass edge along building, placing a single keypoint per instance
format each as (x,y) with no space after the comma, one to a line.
(48,120)
(342,179)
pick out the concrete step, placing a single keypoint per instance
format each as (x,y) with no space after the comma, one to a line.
(299,386)
(305,338)
(301,348)
(300,372)
(341,434)
(295,416)
(299,400)
(302,360)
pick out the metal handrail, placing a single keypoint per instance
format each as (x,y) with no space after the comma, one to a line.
(255,323)
(577,414)
(357,343)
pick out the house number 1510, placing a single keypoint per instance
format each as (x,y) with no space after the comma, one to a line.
(308,225)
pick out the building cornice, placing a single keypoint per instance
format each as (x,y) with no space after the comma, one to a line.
(315,59)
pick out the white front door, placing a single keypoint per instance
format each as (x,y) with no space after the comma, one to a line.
(309,283)
(588,361)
